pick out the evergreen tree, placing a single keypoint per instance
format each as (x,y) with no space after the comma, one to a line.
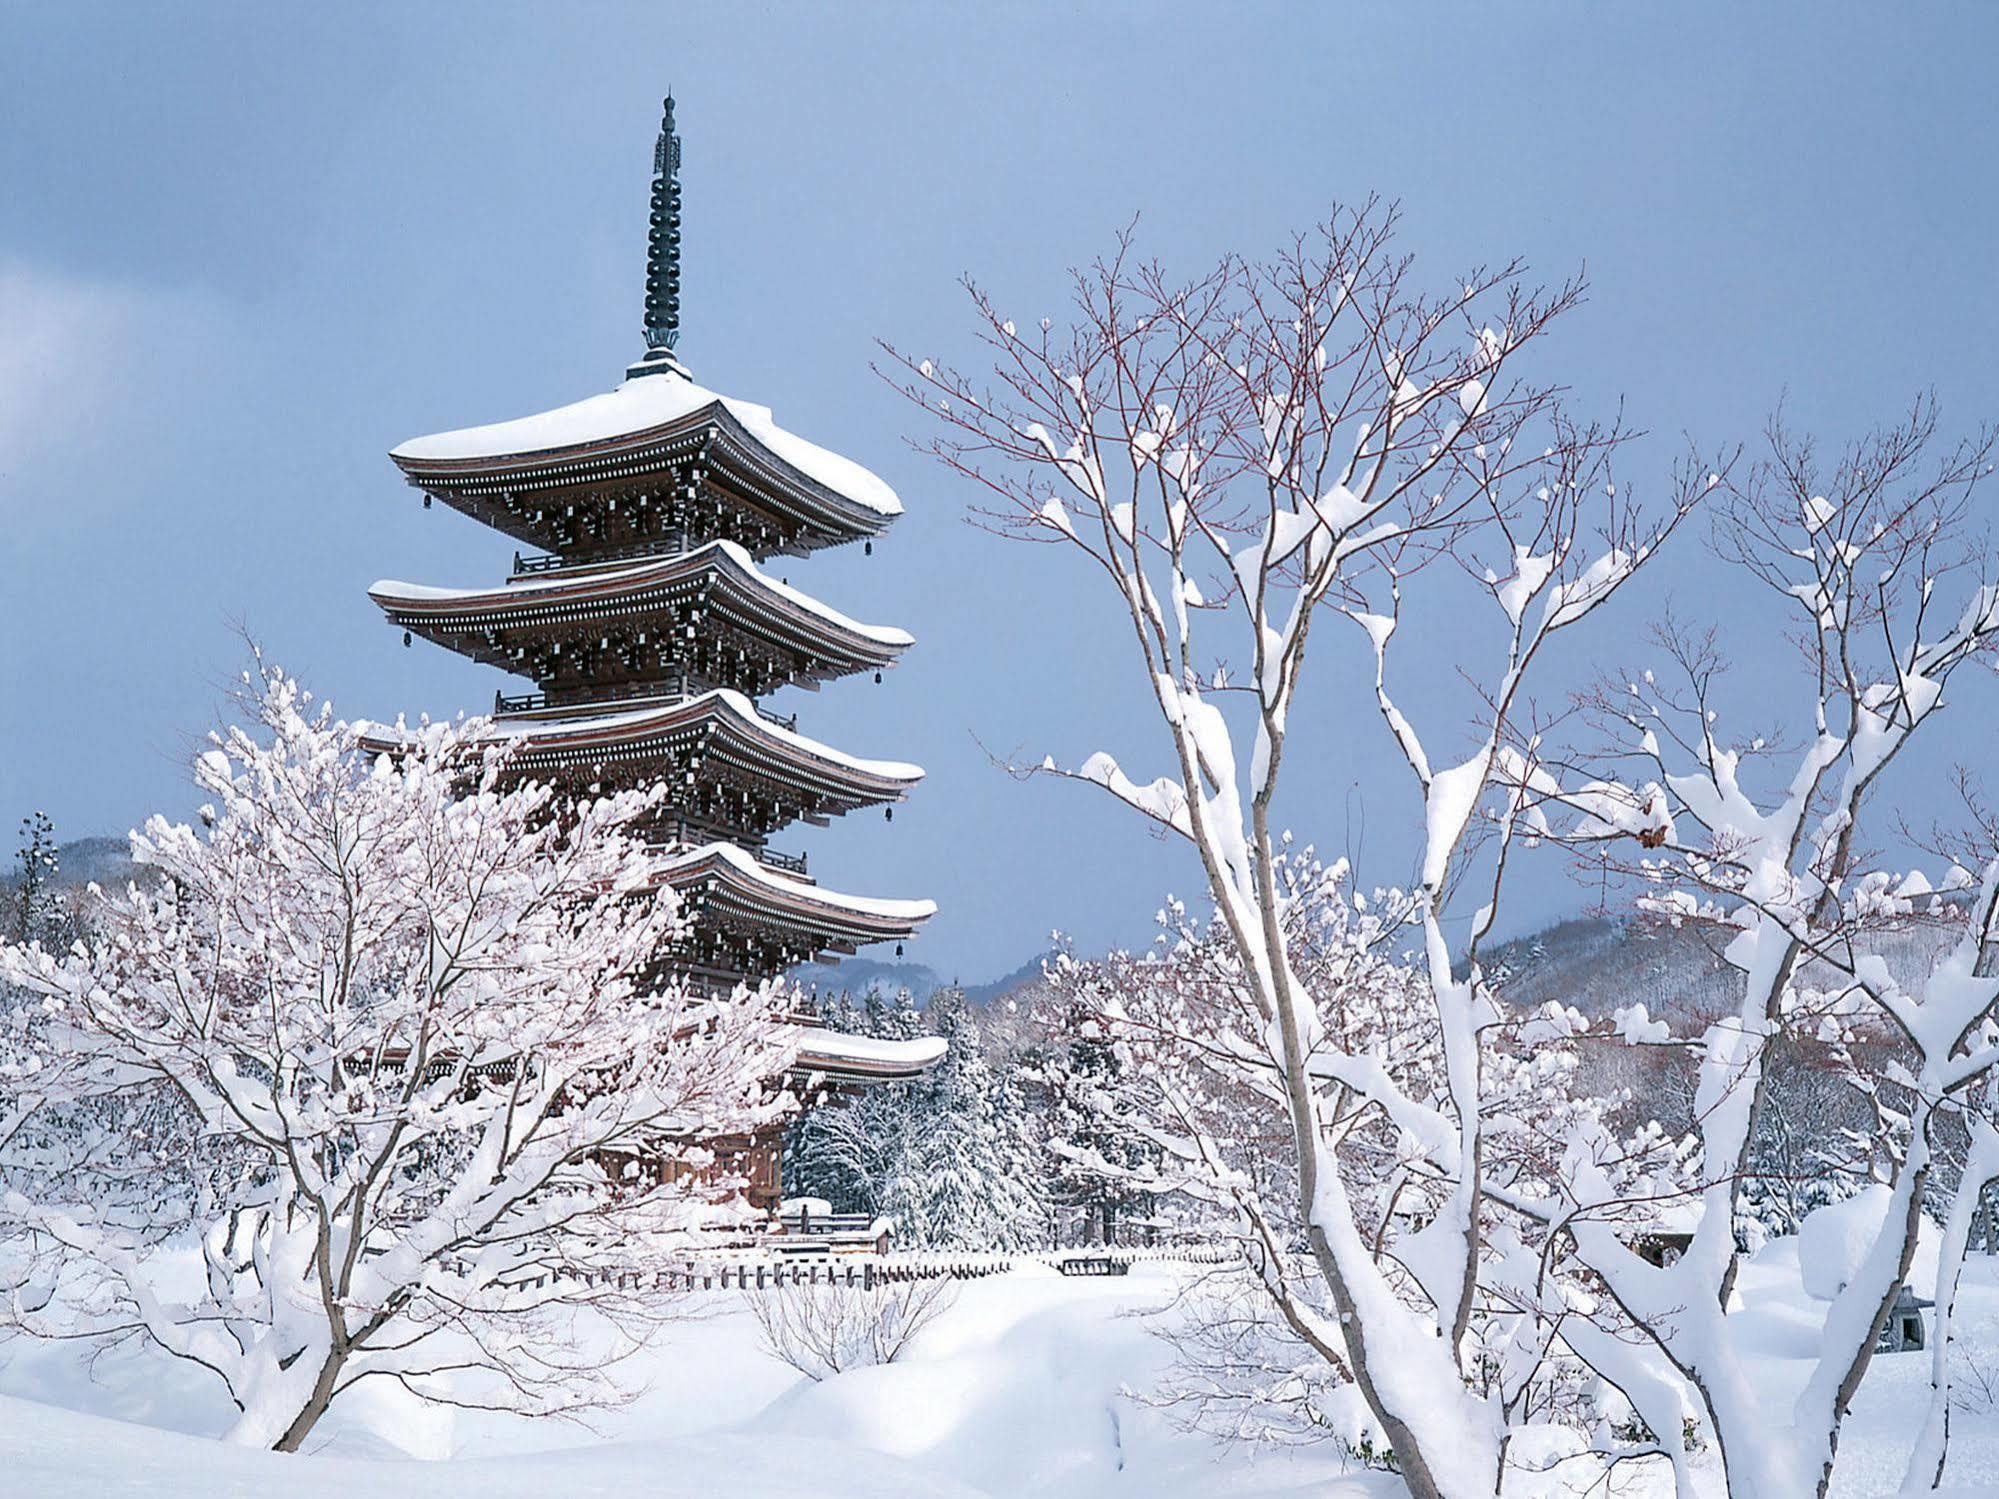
(965,1181)
(949,1155)
(1096,1149)
(37,914)
(827,1148)
(873,1015)
(903,1021)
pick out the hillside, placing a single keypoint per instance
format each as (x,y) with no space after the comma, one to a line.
(105,861)
(863,976)
(1598,964)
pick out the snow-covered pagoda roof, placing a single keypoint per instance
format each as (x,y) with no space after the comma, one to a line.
(875,1059)
(648,425)
(732,726)
(731,885)
(719,577)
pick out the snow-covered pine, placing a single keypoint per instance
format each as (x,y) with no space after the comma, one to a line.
(385,1048)
(1235,456)
(963,1177)
(1097,1151)
(948,1158)
(808,1167)
(37,913)
(839,1148)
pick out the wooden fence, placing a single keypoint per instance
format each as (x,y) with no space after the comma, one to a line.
(862,1271)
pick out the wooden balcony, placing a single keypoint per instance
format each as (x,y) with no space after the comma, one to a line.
(610,697)
(790,863)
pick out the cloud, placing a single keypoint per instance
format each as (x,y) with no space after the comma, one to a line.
(58,335)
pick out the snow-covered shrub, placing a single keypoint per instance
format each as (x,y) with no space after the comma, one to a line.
(823,1330)
(385,1047)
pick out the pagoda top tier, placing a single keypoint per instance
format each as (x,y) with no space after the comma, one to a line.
(659,464)
(657,440)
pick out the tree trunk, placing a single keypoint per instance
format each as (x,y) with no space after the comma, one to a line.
(316,1403)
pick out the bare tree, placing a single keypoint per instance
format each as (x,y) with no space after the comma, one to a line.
(1201,1091)
(1236,455)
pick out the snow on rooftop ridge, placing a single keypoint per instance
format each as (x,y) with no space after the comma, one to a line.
(639,404)
(731,701)
(787,885)
(840,1046)
(394,590)
(886,634)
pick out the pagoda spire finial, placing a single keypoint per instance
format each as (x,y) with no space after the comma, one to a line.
(663,240)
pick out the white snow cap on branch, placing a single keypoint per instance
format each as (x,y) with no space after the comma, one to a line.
(1163,800)
(1638,1028)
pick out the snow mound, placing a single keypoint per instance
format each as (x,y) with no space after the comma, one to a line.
(968,1404)
(1833,1240)
(1032,1385)
(58,1454)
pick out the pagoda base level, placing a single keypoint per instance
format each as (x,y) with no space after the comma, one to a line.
(754,1162)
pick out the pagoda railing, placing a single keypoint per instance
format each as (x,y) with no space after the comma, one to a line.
(535,702)
(667,544)
(794,863)
(684,835)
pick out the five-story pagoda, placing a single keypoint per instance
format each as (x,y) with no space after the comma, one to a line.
(643,617)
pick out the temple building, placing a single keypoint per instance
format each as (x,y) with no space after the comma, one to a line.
(642,611)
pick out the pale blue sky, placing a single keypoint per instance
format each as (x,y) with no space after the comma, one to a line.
(244,250)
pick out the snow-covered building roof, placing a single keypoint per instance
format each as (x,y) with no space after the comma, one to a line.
(728,725)
(727,884)
(651,429)
(721,725)
(717,582)
(642,405)
(839,1056)
(554,730)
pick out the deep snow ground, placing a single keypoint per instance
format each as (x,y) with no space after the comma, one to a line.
(1020,1390)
